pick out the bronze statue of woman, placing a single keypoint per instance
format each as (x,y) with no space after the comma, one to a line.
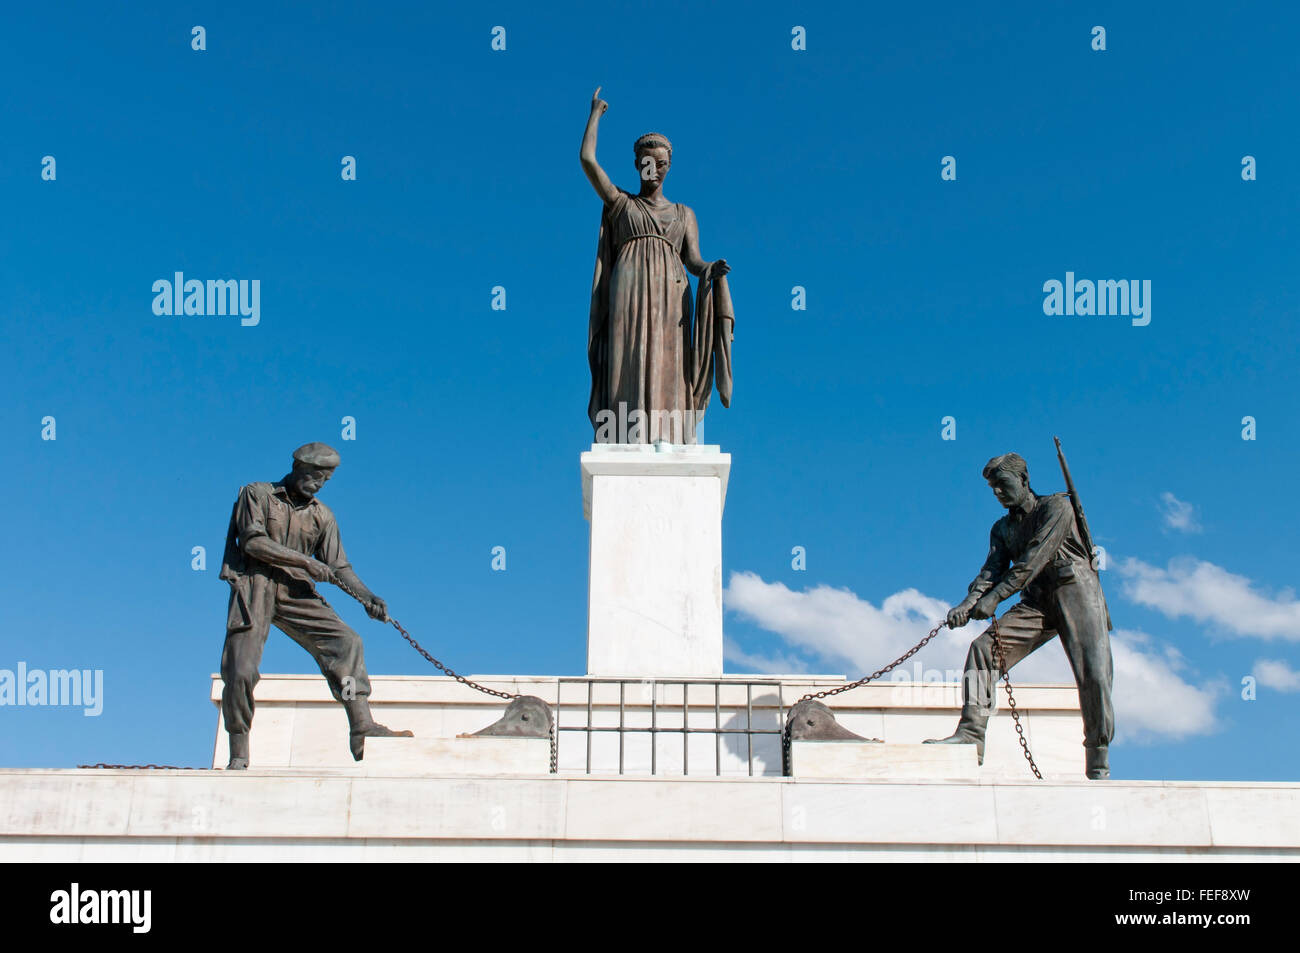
(652,366)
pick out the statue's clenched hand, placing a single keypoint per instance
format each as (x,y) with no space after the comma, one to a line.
(720,268)
(598,105)
(377,609)
(959,615)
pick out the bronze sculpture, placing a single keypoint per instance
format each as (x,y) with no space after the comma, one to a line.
(652,367)
(1038,550)
(280,542)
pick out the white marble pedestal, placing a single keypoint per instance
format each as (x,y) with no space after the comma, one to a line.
(654,604)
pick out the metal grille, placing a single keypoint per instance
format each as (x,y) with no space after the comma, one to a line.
(591,709)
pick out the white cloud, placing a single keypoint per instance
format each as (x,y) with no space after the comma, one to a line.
(850,634)
(1277,675)
(1178,515)
(780,664)
(1152,699)
(1209,593)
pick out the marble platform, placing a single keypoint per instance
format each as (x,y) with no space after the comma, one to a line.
(325,815)
(438,797)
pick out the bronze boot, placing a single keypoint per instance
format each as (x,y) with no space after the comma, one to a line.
(970,731)
(1098,763)
(363,726)
(238,751)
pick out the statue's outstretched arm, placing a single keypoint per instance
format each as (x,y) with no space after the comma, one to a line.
(587,155)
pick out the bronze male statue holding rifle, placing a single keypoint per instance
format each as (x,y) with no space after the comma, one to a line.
(1041,549)
(280,543)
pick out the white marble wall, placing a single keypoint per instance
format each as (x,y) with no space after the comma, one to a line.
(328,815)
(298,725)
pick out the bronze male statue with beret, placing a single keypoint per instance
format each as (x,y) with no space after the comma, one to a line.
(282,541)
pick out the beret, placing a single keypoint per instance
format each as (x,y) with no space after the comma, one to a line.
(316,455)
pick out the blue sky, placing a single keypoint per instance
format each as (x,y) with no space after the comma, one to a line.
(818,168)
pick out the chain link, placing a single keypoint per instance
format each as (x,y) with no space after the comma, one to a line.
(419,648)
(1006,678)
(509,696)
(827,693)
(555,735)
(1011,698)
(141,767)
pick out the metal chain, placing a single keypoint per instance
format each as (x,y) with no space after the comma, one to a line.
(415,645)
(419,648)
(827,693)
(785,734)
(1006,679)
(460,678)
(1011,698)
(555,734)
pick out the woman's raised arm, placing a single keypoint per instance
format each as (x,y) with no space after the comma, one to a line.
(595,174)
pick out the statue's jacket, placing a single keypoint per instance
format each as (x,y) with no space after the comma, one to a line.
(1036,552)
(264,509)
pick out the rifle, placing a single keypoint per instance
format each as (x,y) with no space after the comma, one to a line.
(1083,524)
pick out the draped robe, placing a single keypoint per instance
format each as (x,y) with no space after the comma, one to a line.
(654,359)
